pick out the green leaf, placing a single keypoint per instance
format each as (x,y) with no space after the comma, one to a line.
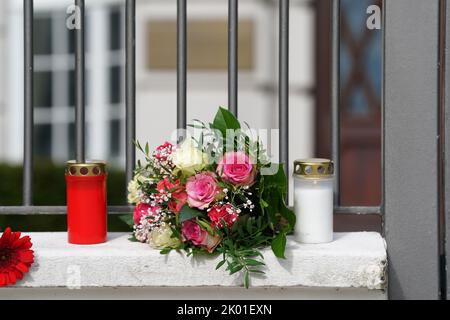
(277,180)
(289,215)
(188,213)
(259,223)
(175,232)
(133,238)
(279,245)
(225,120)
(206,226)
(165,251)
(249,225)
(236,269)
(220,264)
(264,204)
(128,219)
(256,271)
(253,262)
(246,279)
(240,230)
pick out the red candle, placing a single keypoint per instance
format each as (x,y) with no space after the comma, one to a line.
(86,202)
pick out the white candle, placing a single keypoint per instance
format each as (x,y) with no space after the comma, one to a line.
(313,201)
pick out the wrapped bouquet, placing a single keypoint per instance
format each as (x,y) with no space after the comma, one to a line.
(217,194)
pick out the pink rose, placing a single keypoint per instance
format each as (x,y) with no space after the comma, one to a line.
(222,214)
(191,231)
(143,210)
(202,189)
(237,168)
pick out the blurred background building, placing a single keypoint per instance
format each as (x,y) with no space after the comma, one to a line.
(207,79)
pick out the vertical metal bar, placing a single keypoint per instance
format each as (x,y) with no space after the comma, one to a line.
(28,104)
(383,122)
(130,83)
(233,56)
(411,114)
(80,83)
(441,147)
(446,115)
(336,94)
(181,63)
(283,94)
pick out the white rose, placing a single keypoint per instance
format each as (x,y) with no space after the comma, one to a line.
(161,238)
(133,192)
(189,159)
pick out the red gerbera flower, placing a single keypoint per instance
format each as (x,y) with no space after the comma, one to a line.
(16,257)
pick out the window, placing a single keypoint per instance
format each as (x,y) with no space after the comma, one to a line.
(360,60)
(116,80)
(53,93)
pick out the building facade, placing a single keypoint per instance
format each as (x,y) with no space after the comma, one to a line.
(156,78)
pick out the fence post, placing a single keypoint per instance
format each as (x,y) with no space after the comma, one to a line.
(411,114)
(447,139)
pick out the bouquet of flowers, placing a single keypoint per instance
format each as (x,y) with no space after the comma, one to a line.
(217,194)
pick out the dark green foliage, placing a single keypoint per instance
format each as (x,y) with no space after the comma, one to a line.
(50,185)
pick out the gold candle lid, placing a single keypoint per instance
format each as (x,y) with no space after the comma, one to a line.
(313,168)
(88,169)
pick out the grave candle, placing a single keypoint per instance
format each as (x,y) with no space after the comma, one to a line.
(86,202)
(313,200)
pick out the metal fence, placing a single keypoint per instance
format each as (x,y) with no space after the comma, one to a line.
(411,201)
(130,99)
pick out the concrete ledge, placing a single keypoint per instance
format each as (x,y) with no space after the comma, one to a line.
(353,260)
(192,293)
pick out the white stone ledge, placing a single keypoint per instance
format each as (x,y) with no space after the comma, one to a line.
(353,260)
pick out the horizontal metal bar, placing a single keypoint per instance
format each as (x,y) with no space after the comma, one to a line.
(358,210)
(50,210)
(55,210)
